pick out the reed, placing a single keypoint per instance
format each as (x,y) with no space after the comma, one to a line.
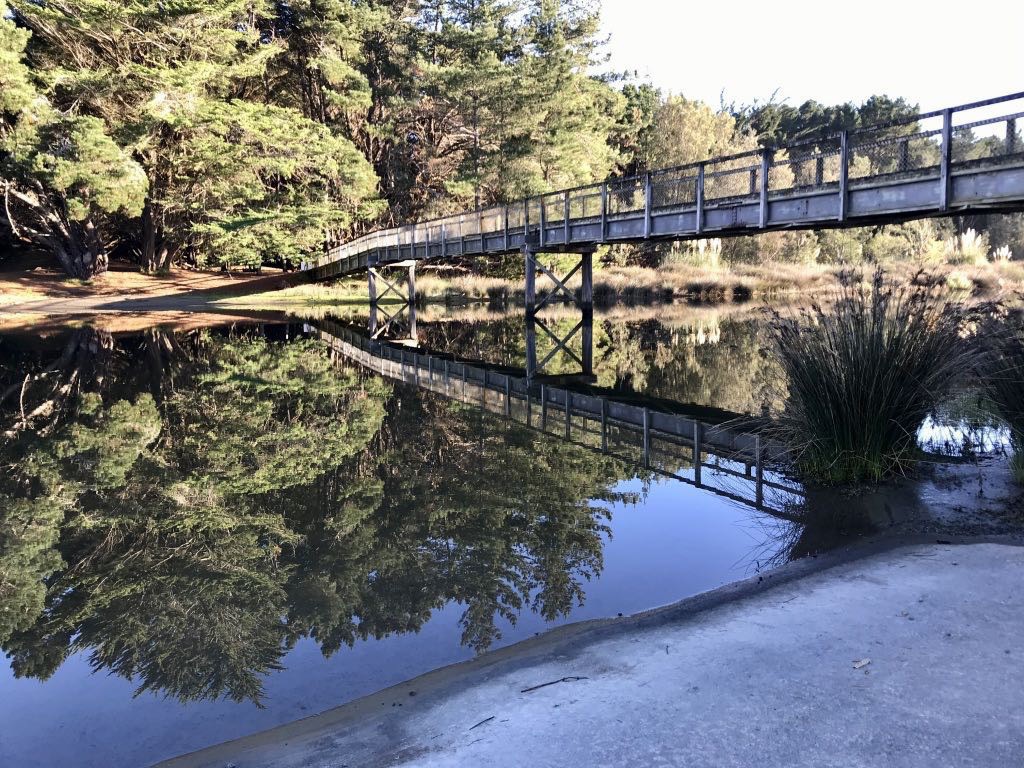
(864,374)
(1001,370)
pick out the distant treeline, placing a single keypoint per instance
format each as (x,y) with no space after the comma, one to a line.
(240,133)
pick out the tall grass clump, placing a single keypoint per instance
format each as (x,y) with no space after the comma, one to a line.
(864,374)
(1001,371)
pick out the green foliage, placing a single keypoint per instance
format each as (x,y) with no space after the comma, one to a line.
(16,91)
(863,376)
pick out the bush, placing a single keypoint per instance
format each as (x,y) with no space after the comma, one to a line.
(841,246)
(967,248)
(863,376)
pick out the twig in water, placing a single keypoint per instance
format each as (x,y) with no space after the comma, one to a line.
(482,722)
(570,679)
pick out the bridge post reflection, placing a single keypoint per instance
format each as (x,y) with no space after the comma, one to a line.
(563,345)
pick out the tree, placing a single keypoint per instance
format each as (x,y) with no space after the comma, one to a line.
(163,109)
(64,178)
(574,113)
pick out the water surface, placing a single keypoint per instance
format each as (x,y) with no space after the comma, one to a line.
(212,531)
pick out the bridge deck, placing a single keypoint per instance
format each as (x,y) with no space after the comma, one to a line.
(909,169)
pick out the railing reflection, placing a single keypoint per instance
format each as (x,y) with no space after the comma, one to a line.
(724,453)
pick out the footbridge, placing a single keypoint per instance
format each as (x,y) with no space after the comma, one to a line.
(959,160)
(726,453)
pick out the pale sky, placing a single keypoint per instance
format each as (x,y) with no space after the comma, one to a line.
(936,53)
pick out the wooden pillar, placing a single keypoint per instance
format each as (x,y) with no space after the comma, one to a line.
(588,344)
(531,280)
(760,471)
(373,319)
(648,194)
(647,438)
(543,221)
(372,285)
(543,407)
(699,222)
(568,414)
(587,287)
(565,223)
(945,175)
(698,437)
(604,211)
(531,347)
(844,174)
(766,165)
(413,334)
(604,425)
(411,284)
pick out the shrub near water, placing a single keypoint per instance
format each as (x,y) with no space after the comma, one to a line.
(863,375)
(1001,371)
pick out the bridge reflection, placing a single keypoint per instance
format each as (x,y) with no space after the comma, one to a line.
(709,448)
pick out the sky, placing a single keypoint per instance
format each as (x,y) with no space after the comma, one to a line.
(935,54)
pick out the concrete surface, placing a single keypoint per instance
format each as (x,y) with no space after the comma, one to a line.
(765,673)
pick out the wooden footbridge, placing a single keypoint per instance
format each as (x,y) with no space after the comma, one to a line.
(954,161)
(705,447)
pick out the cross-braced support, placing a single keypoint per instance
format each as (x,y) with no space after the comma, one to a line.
(403,317)
(375,274)
(398,325)
(585,266)
(562,344)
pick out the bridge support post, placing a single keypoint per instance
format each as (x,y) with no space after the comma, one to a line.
(844,174)
(945,177)
(531,280)
(393,319)
(585,266)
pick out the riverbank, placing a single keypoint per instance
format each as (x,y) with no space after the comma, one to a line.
(42,290)
(33,282)
(674,282)
(792,668)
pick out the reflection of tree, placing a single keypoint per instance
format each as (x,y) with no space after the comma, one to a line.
(38,399)
(717,362)
(185,518)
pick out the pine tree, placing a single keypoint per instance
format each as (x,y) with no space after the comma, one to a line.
(574,112)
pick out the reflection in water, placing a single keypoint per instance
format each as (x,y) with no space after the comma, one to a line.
(188,540)
(184,509)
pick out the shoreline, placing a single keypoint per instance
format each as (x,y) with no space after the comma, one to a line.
(126,290)
(372,726)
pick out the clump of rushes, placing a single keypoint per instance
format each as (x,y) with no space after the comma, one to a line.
(864,374)
(1001,371)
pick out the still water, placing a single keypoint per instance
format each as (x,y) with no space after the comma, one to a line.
(209,531)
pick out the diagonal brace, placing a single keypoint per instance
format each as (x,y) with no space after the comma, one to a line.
(560,344)
(392,319)
(560,285)
(391,287)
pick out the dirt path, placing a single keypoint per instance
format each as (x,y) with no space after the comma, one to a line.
(41,291)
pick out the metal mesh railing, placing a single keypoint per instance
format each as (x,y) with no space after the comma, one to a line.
(903,148)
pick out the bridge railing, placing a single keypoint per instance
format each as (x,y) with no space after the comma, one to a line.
(928,144)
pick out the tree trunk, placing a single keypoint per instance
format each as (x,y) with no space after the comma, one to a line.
(156,254)
(80,260)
